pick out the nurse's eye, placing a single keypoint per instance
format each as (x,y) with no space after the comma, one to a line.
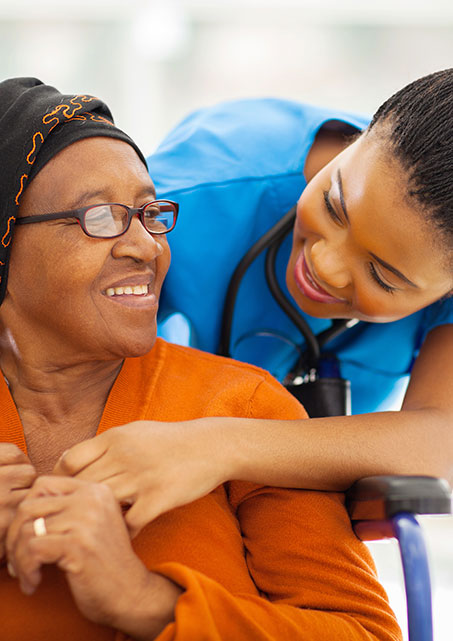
(375,276)
(332,213)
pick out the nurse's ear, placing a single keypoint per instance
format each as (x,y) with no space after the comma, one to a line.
(327,145)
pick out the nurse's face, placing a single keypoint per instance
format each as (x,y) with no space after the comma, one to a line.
(361,249)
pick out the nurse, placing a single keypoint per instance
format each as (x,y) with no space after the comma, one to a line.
(372,241)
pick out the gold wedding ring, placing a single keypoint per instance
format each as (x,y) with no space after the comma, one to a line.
(39,527)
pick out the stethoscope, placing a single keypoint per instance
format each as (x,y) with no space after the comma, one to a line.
(315,378)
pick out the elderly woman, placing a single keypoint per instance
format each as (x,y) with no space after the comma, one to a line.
(83,258)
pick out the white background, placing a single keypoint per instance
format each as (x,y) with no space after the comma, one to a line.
(154,60)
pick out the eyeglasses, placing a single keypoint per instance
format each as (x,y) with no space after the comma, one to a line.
(112,219)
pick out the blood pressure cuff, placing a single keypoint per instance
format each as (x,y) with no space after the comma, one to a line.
(36,122)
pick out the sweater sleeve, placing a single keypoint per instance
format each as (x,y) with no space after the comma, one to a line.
(314,579)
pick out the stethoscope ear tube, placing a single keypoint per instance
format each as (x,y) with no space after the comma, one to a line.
(255,250)
(321,396)
(313,351)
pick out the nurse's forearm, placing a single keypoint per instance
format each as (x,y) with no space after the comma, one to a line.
(331,453)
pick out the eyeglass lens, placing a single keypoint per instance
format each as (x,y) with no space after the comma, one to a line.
(110,220)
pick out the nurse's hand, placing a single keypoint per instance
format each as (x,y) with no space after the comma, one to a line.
(16,477)
(153,467)
(84,534)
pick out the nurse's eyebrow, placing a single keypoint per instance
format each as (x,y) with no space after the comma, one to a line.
(394,270)
(376,258)
(340,188)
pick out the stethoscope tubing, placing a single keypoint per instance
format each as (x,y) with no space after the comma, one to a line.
(272,241)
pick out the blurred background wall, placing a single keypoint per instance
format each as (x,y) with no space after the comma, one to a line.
(154,60)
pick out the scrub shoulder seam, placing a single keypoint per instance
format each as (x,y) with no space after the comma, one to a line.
(222,183)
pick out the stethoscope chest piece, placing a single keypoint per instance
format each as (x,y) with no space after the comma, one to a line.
(327,395)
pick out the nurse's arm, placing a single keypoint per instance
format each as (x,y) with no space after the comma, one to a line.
(155,466)
(331,453)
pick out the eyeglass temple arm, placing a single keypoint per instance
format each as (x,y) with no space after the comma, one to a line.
(41,217)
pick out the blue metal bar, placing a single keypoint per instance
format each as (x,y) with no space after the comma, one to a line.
(416,576)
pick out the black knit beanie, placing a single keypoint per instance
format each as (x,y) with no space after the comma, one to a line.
(36,122)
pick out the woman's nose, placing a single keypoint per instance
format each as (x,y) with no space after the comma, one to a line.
(329,264)
(139,244)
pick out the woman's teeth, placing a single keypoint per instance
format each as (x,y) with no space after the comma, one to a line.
(311,281)
(136,290)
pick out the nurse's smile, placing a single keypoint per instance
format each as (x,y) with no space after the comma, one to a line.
(309,285)
(361,249)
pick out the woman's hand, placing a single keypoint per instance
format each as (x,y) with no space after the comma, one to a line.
(151,466)
(86,537)
(16,477)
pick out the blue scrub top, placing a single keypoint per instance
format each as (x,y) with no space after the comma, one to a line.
(236,169)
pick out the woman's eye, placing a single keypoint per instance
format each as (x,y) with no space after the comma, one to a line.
(375,276)
(332,213)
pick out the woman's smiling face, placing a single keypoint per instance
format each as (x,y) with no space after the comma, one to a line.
(360,248)
(61,281)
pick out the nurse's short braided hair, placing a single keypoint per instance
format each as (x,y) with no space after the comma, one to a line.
(418,123)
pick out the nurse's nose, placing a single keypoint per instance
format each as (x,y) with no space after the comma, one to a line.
(329,264)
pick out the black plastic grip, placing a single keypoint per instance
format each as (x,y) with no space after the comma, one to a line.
(381,497)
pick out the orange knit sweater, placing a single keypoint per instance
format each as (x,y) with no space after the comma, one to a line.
(257,563)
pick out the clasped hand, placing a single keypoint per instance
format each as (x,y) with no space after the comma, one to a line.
(86,537)
(16,477)
(149,466)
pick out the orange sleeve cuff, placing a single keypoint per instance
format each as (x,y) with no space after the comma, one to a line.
(207,611)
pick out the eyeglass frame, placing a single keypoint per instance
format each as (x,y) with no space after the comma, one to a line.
(79,215)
